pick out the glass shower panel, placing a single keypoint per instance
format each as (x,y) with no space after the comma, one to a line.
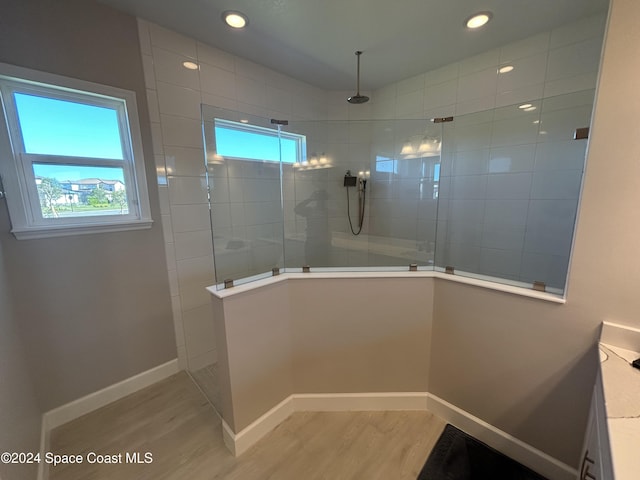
(243,154)
(510,190)
(387,218)
(555,188)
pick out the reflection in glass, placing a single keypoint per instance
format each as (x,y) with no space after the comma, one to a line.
(317,242)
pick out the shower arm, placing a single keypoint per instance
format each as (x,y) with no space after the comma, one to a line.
(358,53)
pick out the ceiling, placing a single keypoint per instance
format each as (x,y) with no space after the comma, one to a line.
(315,40)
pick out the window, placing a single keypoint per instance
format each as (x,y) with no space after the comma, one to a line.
(243,141)
(77,157)
(386,164)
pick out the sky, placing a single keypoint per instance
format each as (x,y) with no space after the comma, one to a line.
(253,145)
(60,127)
(75,172)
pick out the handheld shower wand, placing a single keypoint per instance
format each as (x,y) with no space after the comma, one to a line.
(361,183)
(362,193)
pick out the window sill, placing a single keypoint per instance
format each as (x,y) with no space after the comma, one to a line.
(67,230)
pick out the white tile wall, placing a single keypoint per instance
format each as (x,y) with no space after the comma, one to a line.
(561,61)
(509,237)
(527,71)
(187,190)
(181,131)
(441,94)
(175,95)
(500,263)
(524,48)
(477,85)
(578,31)
(504,213)
(170,41)
(512,159)
(180,101)
(184,161)
(190,218)
(168,68)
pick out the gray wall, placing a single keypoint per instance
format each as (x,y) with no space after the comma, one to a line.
(321,336)
(523,365)
(19,413)
(254,345)
(92,309)
(348,336)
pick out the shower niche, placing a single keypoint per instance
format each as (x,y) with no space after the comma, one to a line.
(492,194)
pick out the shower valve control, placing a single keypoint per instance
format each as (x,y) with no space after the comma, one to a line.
(350,180)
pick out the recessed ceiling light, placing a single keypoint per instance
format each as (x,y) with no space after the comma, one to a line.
(525,105)
(244,120)
(530,109)
(190,65)
(536,121)
(477,20)
(506,69)
(235,19)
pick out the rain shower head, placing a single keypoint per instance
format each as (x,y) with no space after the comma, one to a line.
(357,98)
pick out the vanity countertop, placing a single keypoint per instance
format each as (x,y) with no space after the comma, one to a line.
(621,384)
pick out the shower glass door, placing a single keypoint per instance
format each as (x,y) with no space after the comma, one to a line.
(243,155)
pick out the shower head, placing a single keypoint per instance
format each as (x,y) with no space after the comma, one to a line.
(357,98)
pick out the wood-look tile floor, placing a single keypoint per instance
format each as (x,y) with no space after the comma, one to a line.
(175,422)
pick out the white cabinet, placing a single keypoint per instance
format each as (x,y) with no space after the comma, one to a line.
(595,462)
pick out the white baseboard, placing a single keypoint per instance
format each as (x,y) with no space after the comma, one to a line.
(354,402)
(240,442)
(520,451)
(75,409)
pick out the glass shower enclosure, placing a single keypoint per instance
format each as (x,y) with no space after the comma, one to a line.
(492,194)
(281,199)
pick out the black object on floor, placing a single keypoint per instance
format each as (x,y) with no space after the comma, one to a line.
(458,456)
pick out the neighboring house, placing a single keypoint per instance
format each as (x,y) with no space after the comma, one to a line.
(77,191)
(85,186)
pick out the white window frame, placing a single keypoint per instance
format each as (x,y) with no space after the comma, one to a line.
(271,132)
(16,166)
